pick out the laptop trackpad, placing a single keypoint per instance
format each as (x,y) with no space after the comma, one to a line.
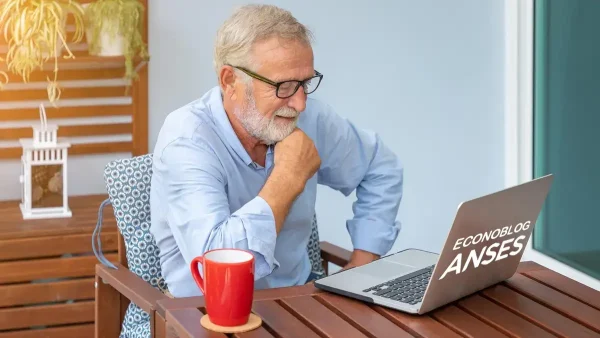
(384,269)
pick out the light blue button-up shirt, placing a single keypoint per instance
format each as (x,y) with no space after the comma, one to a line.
(205,189)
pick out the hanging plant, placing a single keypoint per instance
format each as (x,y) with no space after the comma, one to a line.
(36,32)
(114,28)
(3,77)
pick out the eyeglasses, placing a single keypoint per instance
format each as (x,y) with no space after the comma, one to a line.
(285,89)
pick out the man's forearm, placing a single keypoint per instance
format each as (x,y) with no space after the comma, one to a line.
(360,257)
(279,192)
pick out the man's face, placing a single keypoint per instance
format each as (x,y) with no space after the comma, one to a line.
(264,115)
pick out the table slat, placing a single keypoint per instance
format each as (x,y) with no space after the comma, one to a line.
(538,313)
(420,326)
(556,300)
(579,291)
(179,317)
(501,318)
(281,321)
(362,316)
(259,332)
(323,320)
(464,323)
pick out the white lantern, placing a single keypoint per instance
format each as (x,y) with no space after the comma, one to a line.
(44,173)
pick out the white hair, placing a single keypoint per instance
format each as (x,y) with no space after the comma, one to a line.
(250,24)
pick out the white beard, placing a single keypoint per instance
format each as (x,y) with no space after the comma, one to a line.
(266,130)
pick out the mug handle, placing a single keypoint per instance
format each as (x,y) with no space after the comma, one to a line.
(196,273)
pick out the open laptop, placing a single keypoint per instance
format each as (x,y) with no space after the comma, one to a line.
(483,247)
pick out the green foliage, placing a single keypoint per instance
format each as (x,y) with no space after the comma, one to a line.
(123,17)
(34,29)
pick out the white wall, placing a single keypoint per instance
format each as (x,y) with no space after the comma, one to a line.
(427,75)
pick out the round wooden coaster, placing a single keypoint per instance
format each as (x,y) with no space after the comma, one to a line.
(254,322)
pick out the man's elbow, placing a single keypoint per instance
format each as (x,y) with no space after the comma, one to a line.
(393,167)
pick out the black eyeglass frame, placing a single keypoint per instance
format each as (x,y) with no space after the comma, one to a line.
(278,84)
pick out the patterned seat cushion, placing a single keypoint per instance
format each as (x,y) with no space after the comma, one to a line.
(128,186)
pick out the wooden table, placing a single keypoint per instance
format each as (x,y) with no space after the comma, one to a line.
(535,302)
(47,270)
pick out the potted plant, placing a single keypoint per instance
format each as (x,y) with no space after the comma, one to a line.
(35,31)
(114,28)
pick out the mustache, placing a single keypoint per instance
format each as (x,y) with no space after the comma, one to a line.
(287,112)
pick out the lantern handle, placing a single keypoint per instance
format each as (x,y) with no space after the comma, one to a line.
(43,120)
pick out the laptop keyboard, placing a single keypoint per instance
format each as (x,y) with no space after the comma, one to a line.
(406,289)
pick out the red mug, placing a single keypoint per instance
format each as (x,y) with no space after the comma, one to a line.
(228,284)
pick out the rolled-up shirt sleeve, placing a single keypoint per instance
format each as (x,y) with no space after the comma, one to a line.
(353,159)
(198,211)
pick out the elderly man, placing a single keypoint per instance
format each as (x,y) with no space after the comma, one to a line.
(239,167)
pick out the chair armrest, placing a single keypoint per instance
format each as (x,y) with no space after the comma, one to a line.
(131,286)
(334,254)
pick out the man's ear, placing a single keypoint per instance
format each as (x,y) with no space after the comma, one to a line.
(227,78)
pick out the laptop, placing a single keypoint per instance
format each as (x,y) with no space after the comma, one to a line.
(484,247)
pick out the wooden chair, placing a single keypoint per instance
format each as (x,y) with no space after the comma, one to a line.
(127,290)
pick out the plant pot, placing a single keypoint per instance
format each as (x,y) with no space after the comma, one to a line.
(58,50)
(108,44)
(59,44)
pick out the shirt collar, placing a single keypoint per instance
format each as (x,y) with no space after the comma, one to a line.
(223,123)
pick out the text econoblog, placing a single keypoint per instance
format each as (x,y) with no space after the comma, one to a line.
(494,252)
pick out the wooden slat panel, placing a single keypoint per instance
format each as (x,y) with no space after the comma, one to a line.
(556,300)
(100,148)
(76,149)
(83,62)
(70,38)
(22,271)
(23,317)
(320,318)
(71,131)
(71,331)
(66,93)
(69,75)
(66,112)
(37,247)
(10,153)
(501,319)
(579,291)
(362,316)
(30,293)
(81,50)
(464,323)
(140,113)
(280,320)
(420,326)
(537,313)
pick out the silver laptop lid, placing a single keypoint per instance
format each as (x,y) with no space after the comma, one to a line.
(486,242)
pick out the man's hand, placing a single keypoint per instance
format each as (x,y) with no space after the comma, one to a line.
(297,156)
(296,161)
(360,257)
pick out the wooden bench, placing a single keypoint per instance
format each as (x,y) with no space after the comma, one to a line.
(47,270)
